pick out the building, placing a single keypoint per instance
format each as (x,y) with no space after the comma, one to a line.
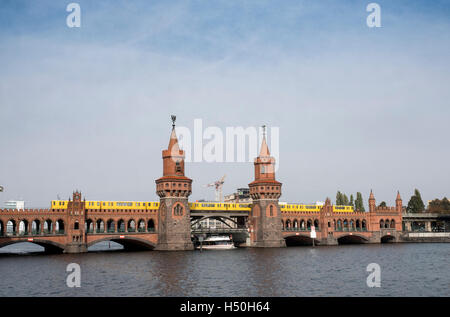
(15,204)
(242,195)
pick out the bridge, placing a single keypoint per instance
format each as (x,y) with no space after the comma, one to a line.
(173,223)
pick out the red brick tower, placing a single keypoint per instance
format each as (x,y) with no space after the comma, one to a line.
(372,205)
(76,240)
(173,188)
(265,216)
(398,203)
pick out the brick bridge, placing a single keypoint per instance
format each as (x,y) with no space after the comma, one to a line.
(168,226)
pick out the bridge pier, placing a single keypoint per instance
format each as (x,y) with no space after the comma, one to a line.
(75,248)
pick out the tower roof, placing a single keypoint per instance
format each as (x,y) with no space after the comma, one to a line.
(398,195)
(371,195)
(264,152)
(173,142)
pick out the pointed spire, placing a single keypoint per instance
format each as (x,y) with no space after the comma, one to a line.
(398,195)
(173,142)
(371,195)
(264,148)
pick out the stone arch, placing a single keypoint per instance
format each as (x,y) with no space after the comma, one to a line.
(298,240)
(364,225)
(23,227)
(48,226)
(288,224)
(387,239)
(302,224)
(151,225)
(111,226)
(89,226)
(121,227)
(141,225)
(100,226)
(131,226)
(36,227)
(295,224)
(339,225)
(392,224)
(316,224)
(11,227)
(309,224)
(50,246)
(358,224)
(352,239)
(59,226)
(386,223)
(130,243)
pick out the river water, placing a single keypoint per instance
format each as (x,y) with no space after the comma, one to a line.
(413,269)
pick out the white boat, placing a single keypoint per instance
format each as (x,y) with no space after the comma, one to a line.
(217,243)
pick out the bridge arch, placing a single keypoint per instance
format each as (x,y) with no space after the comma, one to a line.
(36,226)
(217,217)
(49,245)
(11,227)
(23,227)
(121,225)
(111,225)
(100,225)
(387,239)
(48,226)
(141,225)
(298,240)
(151,225)
(129,243)
(59,226)
(352,239)
(89,226)
(131,227)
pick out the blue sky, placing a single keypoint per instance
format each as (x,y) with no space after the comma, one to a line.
(358,107)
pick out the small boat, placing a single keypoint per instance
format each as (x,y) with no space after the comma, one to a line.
(217,243)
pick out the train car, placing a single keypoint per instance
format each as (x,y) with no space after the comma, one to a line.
(213,206)
(109,205)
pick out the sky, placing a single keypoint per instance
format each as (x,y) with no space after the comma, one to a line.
(357,108)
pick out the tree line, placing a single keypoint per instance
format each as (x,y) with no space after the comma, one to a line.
(415,203)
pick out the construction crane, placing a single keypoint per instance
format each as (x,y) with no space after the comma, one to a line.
(218,188)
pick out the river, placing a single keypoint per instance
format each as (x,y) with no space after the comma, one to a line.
(407,269)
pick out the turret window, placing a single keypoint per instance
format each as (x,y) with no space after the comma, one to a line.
(178,167)
(178,210)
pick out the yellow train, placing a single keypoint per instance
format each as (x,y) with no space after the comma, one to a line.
(312,208)
(210,206)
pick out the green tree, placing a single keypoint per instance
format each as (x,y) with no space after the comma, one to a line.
(359,203)
(415,204)
(352,203)
(345,200)
(338,198)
